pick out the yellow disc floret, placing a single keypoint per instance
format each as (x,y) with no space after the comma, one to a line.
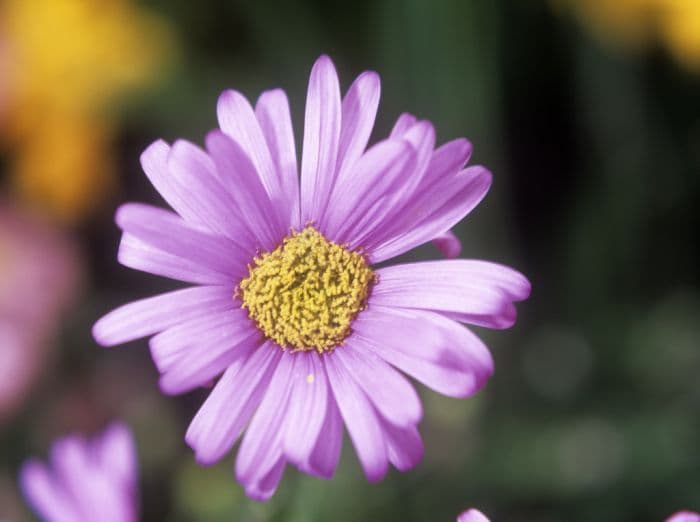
(305,294)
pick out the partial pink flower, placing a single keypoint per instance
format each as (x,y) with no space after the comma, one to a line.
(308,336)
(40,273)
(86,480)
(684,516)
(472,515)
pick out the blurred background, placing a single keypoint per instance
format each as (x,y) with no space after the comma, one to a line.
(587,112)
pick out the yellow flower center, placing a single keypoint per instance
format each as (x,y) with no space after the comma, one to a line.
(305,294)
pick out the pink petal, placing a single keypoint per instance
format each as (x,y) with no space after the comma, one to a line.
(240,176)
(404,446)
(472,515)
(440,180)
(307,408)
(266,487)
(469,188)
(155,314)
(684,516)
(154,161)
(238,120)
(261,446)
(222,417)
(169,233)
(140,255)
(359,110)
(195,352)
(205,199)
(44,495)
(116,452)
(380,170)
(361,420)
(391,394)
(272,111)
(448,244)
(322,124)
(460,287)
(404,122)
(324,457)
(367,225)
(437,351)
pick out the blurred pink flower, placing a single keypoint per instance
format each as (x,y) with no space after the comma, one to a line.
(472,515)
(87,481)
(40,273)
(684,516)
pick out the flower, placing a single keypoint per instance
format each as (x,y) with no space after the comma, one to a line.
(287,303)
(472,515)
(40,277)
(88,480)
(637,23)
(63,65)
(684,516)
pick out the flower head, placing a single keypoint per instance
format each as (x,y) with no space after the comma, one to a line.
(472,515)
(40,278)
(684,516)
(288,306)
(86,480)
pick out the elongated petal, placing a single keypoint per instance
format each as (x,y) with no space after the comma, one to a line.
(263,489)
(307,410)
(462,288)
(366,225)
(438,183)
(237,119)
(361,420)
(116,453)
(140,255)
(195,352)
(272,111)
(390,393)
(404,122)
(448,244)
(326,453)
(379,171)
(42,492)
(404,446)
(261,446)
(193,175)
(475,183)
(359,110)
(168,233)
(154,161)
(228,408)
(155,314)
(441,376)
(240,177)
(437,351)
(322,124)
(171,345)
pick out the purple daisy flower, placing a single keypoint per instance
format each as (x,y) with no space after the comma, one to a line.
(684,516)
(89,480)
(472,515)
(286,303)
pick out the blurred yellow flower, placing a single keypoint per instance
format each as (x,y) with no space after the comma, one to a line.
(638,23)
(69,62)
